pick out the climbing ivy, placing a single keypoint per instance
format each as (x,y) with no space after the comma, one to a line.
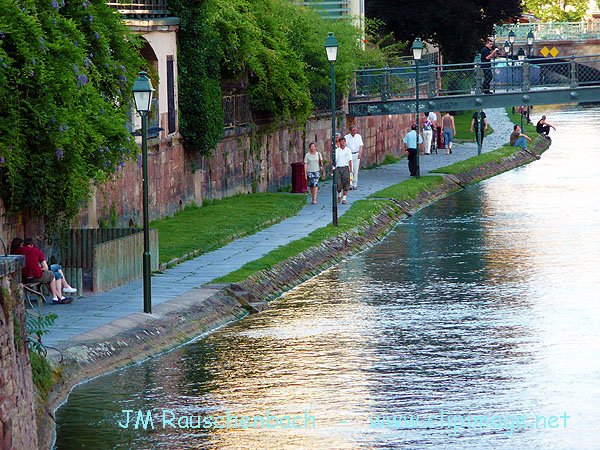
(66,72)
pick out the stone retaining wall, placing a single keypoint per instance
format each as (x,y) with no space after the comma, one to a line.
(18,424)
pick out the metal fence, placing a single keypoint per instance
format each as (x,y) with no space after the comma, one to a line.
(551,31)
(465,79)
(141,9)
(236,110)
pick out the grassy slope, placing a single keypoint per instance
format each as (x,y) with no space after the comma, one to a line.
(217,222)
(462,123)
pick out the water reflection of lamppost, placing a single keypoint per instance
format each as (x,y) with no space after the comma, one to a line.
(142,95)
(417,50)
(331,47)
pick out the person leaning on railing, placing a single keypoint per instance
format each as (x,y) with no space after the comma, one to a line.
(487,54)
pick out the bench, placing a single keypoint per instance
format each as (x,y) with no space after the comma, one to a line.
(34,289)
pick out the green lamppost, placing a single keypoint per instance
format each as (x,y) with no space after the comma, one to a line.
(530,39)
(511,41)
(331,47)
(521,58)
(142,94)
(417,50)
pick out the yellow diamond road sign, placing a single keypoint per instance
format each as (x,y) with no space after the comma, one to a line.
(545,52)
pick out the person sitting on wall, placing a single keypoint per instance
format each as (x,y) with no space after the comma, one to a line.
(543,127)
(36,270)
(518,139)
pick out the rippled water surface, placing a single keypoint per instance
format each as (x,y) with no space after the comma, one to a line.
(483,304)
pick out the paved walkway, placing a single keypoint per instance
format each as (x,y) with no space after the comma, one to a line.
(92,311)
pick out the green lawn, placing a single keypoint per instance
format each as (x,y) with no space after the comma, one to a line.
(409,188)
(218,222)
(478,160)
(462,122)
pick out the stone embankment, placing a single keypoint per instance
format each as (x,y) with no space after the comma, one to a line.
(139,336)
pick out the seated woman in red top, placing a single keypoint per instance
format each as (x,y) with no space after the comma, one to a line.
(36,269)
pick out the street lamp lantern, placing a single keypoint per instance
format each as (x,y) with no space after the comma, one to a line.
(506,47)
(331,47)
(511,37)
(530,38)
(142,95)
(521,54)
(417,49)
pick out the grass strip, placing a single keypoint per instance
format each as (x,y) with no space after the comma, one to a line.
(462,123)
(408,189)
(478,160)
(218,222)
(360,211)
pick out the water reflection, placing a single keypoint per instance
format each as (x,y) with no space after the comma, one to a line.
(484,303)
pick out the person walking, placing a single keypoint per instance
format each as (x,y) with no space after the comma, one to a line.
(543,127)
(411,147)
(518,139)
(427,134)
(487,54)
(313,167)
(449,131)
(435,130)
(355,143)
(343,167)
(480,123)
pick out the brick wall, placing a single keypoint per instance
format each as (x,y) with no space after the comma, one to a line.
(18,426)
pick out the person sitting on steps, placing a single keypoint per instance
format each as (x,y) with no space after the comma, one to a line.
(518,139)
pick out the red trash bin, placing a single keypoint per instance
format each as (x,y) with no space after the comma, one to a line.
(298,178)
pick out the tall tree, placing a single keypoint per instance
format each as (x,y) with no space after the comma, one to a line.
(559,11)
(458,27)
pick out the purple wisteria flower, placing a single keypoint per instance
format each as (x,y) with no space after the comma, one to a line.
(123,68)
(102,110)
(59,153)
(52,119)
(91,18)
(75,44)
(97,35)
(101,149)
(82,80)
(75,68)
(86,63)
(123,79)
(1,160)
(62,128)
(55,5)
(85,4)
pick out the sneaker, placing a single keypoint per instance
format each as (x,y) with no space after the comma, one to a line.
(343,202)
(339,198)
(69,290)
(62,301)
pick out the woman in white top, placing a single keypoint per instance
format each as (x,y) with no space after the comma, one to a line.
(313,164)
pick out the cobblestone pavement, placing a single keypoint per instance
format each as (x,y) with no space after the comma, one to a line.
(92,311)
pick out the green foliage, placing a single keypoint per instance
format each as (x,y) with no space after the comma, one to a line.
(561,11)
(408,189)
(41,373)
(274,50)
(38,326)
(66,71)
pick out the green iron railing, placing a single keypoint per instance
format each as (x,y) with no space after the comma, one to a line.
(465,79)
(550,31)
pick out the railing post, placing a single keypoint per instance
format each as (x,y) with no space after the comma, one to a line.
(478,75)
(432,86)
(526,79)
(385,94)
(573,72)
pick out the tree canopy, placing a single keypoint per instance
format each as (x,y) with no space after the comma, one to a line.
(66,72)
(458,27)
(558,11)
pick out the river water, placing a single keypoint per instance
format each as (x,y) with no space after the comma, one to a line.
(474,325)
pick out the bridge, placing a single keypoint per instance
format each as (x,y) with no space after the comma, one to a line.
(456,87)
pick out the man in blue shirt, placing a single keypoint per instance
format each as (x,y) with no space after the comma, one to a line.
(411,148)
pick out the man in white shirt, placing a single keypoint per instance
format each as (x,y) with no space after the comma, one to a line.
(343,167)
(355,143)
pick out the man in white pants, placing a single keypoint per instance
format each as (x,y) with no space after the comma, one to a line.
(355,144)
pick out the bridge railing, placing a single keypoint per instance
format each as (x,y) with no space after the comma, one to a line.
(550,31)
(465,79)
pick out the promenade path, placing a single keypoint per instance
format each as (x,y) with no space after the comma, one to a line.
(92,311)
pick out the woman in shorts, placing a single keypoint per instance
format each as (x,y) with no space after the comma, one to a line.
(313,167)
